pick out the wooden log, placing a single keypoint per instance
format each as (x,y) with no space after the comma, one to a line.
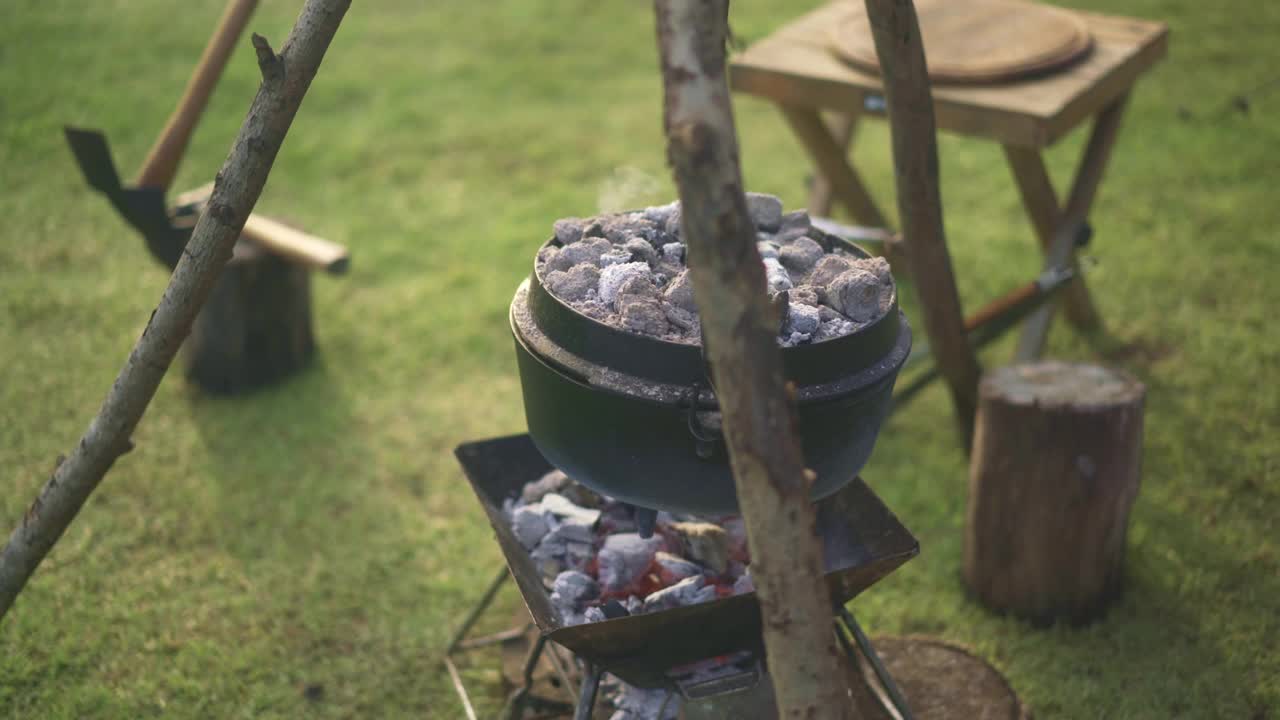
(256,326)
(1055,469)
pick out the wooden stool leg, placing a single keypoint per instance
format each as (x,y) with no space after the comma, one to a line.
(1055,226)
(829,157)
(842,127)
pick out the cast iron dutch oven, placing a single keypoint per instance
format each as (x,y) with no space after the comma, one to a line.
(634,417)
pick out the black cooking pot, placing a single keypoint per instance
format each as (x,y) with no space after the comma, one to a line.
(634,417)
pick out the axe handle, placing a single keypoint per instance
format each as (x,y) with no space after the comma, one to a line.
(309,250)
(161,165)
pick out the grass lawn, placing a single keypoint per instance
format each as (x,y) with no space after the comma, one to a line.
(319,535)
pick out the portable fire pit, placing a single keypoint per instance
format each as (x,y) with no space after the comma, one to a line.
(862,541)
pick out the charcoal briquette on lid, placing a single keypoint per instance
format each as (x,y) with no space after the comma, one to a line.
(628,270)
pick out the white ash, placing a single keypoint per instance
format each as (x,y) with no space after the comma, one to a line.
(597,262)
(624,558)
(612,278)
(588,553)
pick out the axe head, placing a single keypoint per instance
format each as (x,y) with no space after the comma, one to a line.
(143,208)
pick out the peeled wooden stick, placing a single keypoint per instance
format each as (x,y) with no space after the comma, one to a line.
(162,161)
(285,79)
(740,336)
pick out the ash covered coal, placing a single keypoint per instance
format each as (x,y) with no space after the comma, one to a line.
(628,270)
(594,564)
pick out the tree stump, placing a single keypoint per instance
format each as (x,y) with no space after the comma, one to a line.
(1055,469)
(255,327)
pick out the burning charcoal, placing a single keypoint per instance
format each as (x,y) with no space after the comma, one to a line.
(856,293)
(573,589)
(613,609)
(556,481)
(549,558)
(704,543)
(643,315)
(878,266)
(736,531)
(578,555)
(587,250)
(529,524)
(658,214)
(793,225)
(633,605)
(672,227)
(803,295)
(826,314)
(800,256)
(776,276)
(615,275)
(766,211)
(592,228)
(673,568)
(639,287)
(680,292)
(568,230)
(616,256)
(547,254)
(827,269)
(673,252)
(767,248)
(560,506)
(624,558)
(641,251)
(620,228)
(802,319)
(593,614)
(553,481)
(834,328)
(689,591)
(574,284)
(574,530)
(681,318)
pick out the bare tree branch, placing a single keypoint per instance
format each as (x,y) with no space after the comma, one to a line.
(740,330)
(900,48)
(235,192)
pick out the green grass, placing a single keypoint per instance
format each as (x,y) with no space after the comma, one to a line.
(319,533)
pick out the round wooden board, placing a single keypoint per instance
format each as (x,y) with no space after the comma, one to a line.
(975,41)
(940,681)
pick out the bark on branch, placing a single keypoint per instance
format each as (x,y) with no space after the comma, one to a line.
(236,190)
(740,331)
(899,46)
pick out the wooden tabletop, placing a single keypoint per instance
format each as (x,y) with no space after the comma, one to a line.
(796,66)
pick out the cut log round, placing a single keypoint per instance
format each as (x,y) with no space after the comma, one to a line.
(255,327)
(1055,469)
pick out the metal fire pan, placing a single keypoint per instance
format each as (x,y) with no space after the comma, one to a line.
(863,542)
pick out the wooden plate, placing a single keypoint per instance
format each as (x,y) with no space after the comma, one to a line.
(975,41)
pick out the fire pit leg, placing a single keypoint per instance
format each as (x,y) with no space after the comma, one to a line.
(899,703)
(590,684)
(516,703)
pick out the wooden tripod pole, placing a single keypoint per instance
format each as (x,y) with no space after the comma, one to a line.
(161,165)
(740,330)
(285,79)
(899,47)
